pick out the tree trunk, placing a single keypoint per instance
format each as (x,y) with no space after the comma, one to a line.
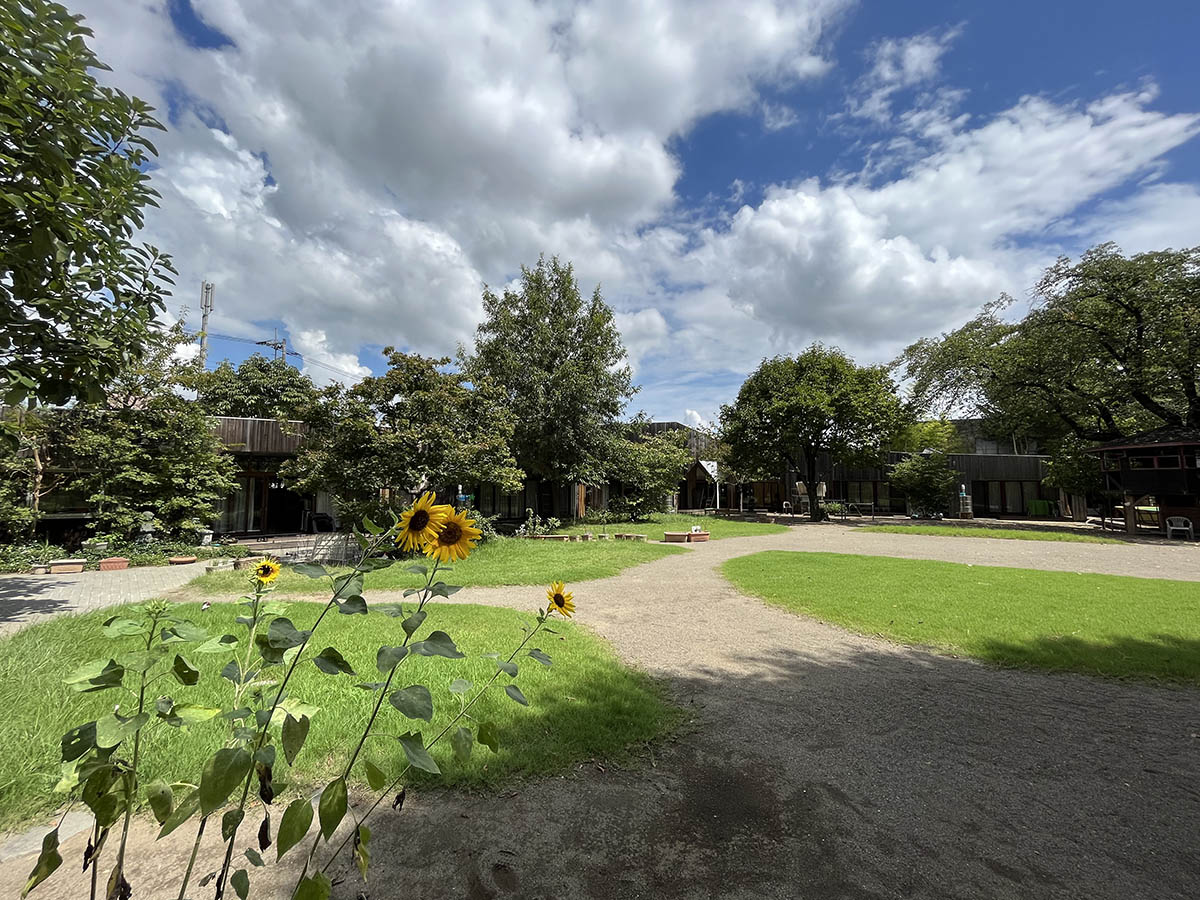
(810,483)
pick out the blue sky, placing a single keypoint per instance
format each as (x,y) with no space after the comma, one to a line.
(741,179)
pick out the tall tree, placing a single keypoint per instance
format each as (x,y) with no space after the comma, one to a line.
(146,452)
(560,365)
(793,409)
(647,469)
(258,388)
(1111,347)
(412,428)
(77,296)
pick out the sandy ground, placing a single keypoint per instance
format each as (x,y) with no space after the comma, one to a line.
(815,764)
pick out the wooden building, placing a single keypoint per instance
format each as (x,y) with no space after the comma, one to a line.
(1155,469)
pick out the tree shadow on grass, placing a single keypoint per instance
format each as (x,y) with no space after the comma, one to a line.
(1159,656)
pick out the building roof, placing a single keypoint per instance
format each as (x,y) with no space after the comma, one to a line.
(1165,436)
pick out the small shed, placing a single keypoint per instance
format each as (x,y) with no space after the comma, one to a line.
(1163,463)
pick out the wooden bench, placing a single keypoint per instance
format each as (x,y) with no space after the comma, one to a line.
(677,537)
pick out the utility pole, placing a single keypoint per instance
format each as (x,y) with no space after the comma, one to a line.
(278,344)
(206,307)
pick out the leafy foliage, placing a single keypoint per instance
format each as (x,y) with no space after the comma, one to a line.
(558,363)
(936,434)
(927,480)
(647,468)
(792,409)
(1072,469)
(77,296)
(415,426)
(1111,347)
(258,388)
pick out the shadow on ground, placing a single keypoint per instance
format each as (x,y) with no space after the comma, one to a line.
(886,774)
(22,595)
(1167,656)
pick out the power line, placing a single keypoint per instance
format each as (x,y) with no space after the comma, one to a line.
(300,356)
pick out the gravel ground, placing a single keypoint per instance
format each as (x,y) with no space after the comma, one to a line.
(817,763)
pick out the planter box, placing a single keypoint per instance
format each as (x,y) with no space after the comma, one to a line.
(181,560)
(698,537)
(604,537)
(114,563)
(67,566)
(41,570)
(247,562)
(585,537)
(676,537)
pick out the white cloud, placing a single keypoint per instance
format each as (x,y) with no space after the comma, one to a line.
(357,171)
(898,64)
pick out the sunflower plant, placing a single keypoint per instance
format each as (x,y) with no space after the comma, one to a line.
(263,721)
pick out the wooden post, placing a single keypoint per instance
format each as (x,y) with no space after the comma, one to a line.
(1130,514)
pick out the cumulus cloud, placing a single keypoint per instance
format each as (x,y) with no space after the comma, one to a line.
(358,171)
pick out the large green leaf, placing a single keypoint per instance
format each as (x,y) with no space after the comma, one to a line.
(97,675)
(540,656)
(362,855)
(389,657)
(460,686)
(47,862)
(223,772)
(313,887)
(294,825)
(376,777)
(218,644)
(311,570)
(295,732)
(488,737)
(461,742)
(282,634)
(331,662)
(414,701)
(353,606)
(186,808)
(332,806)
(241,883)
(418,756)
(413,622)
(117,627)
(437,644)
(78,741)
(185,673)
(515,692)
(114,728)
(160,797)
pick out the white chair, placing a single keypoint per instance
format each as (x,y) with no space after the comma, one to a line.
(1181,524)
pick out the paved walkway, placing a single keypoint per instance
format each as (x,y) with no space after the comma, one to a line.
(31,598)
(816,763)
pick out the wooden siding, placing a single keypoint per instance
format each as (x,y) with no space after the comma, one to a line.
(265,437)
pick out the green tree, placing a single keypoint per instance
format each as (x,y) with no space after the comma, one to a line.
(793,409)
(1111,347)
(258,388)
(926,479)
(28,473)
(147,451)
(646,468)
(560,365)
(935,434)
(1072,469)
(77,297)
(413,428)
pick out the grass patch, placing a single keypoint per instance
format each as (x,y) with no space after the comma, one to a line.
(499,561)
(654,528)
(1007,534)
(1096,624)
(588,704)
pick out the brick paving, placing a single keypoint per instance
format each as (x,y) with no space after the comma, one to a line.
(25,599)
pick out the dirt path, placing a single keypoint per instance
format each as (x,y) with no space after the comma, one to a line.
(821,764)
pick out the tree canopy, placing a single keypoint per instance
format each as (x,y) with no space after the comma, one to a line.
(412,428)
(560,366)
(926,479)
(259,388)
(77,296)
(1110,347)
(646,467)
(792,409)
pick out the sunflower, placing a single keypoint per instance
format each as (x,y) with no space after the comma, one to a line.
(455,540)
(561,600)
(419,525)
(266,571)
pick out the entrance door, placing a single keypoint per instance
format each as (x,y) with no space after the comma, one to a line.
(245,508)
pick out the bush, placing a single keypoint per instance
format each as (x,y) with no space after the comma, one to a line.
(21,558)
(485,524)
(535,525)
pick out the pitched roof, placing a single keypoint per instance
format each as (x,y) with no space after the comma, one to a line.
(1166,435)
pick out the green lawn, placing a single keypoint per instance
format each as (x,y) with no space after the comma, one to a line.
(1098,624)
(587,704)
(717,527)
(498,561)
(1008,534)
